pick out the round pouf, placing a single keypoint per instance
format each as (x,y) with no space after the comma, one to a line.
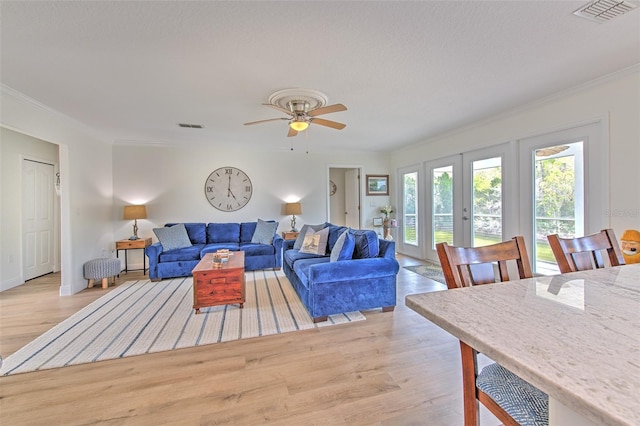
(102,269)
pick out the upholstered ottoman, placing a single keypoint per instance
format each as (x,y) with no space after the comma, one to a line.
(102,269)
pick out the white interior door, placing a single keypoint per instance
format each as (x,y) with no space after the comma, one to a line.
(352,198)
(37,218)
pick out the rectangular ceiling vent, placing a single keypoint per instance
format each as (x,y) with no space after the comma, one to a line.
(604,10)
(190,126)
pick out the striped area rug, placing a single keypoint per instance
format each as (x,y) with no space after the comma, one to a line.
(142,317)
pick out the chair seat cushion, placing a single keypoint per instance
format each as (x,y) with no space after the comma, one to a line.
(528,405)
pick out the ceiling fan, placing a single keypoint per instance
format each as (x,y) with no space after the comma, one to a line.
(301,116)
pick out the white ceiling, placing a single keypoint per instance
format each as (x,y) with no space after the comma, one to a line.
(406,70)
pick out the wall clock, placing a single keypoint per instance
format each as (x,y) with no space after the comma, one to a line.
(228,189)
(332,188)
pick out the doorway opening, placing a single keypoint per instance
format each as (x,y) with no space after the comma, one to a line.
(344,196)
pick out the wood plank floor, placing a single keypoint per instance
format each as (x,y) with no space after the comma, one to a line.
(395,368)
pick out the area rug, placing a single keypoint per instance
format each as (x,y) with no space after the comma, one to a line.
(431,270)
(142,317)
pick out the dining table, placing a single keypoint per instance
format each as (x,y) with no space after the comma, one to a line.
(575,336)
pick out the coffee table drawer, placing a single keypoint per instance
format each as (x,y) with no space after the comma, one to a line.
(219,289)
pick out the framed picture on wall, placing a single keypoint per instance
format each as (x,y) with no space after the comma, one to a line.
(377,184)
(377,221)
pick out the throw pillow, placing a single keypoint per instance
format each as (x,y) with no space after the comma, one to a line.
(343,248)
(367,245)
(303,232)
(264,233)
(173,237)
(315,242)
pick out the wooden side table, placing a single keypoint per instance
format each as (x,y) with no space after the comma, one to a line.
(290,235)
(126,245)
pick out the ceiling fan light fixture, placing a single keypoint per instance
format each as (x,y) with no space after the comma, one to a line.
(298,126)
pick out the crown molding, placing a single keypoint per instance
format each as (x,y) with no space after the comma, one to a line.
(26,100)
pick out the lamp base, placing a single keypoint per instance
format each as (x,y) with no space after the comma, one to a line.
(134,237)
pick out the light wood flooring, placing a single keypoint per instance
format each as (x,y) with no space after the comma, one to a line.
(395,368)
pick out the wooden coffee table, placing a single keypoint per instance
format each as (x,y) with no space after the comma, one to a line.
(218,285)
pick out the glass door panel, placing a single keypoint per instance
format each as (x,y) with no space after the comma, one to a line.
(442,202)
(410,208)
(486,201)
(558,199)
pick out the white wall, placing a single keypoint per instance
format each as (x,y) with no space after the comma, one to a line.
(86,176)
(14,148)
(170,182)
(616,97)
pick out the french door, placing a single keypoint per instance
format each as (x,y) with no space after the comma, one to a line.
(547,184)
(409,211)
(470,203)
(563,188)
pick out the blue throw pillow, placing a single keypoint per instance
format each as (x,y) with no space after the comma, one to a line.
(343,248)
(173,237)
(367,245)
(264,233)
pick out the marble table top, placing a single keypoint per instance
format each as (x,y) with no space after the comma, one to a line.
(575,336)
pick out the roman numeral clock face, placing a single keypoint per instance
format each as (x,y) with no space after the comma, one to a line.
(228,189)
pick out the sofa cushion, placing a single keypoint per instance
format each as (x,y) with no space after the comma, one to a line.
(223,233)
(366,243)
(255,249)
(183,254)
(264,232)
(173,237)
(343,249)
(334,234)
(212,248)
(292,256)
(303,232)
(315,242)
(197,232)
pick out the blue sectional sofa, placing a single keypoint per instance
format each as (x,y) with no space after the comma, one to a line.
(209,238)
(345,282)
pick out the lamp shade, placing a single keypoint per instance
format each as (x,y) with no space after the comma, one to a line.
(293,208)
(135,212)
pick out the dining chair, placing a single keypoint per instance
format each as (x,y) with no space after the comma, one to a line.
(582,253)
(511,399)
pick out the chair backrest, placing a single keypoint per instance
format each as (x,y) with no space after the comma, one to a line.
(467,266)
(582,253)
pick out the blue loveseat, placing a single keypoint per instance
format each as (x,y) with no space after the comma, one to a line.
(209,238)
(363,279)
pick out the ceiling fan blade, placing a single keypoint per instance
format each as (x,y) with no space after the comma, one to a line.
(327,110)
(286,111)
(329,123)
(292,132)
(264,121)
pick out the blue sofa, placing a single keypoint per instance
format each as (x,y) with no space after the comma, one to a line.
(209,238)
(365,280)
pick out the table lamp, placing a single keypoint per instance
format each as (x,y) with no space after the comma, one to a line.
(134,213)
(293,209)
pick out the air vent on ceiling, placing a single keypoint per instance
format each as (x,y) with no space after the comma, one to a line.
(190,126)
(604,10)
